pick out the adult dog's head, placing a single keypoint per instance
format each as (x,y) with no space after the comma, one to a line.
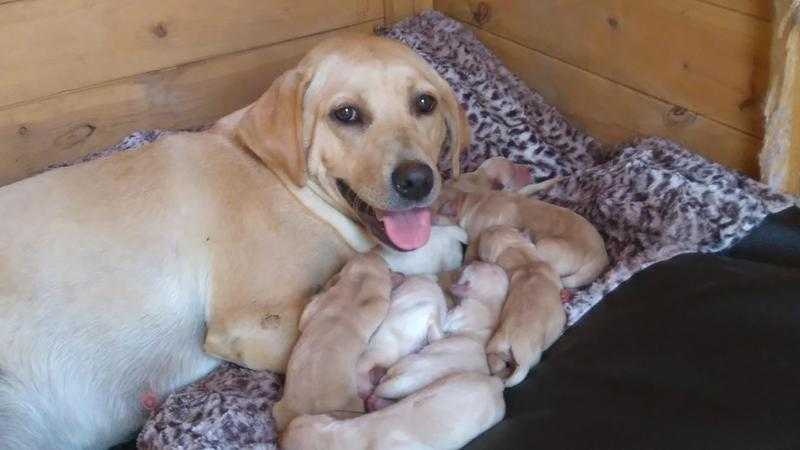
(366,119)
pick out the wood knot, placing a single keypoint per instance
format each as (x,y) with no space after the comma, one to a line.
(678,115)
(482,13)
(613,22)
(75,135)
(160,30)
(23,131)
(270,321)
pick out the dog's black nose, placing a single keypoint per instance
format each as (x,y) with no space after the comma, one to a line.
(413,180)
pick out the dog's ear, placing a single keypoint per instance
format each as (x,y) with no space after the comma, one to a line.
(273,126)
(457,125)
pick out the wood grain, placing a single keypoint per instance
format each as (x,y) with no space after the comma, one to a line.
(52,46)
(614,113)
(793,171)
(757,8)
(701,56)
(70,125)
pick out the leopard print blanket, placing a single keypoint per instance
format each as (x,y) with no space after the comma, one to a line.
(651,199)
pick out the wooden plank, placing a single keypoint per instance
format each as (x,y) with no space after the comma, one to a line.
(67,126)
(757,8)
(397,10)
(51,46)
(701,56)
(613,112)
(793,169)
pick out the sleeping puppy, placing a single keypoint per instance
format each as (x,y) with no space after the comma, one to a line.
(533,316)
(443,252)
(416,315)
(482,289)
(444,416)
(564,239)
(335,328)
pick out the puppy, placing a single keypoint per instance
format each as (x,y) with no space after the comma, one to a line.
(564,239)
(335,328)
(416,316)
(482,289)
(533,316)
(444,416)
(443,252)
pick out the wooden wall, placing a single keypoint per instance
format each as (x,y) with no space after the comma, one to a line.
(77,75)
(691,70)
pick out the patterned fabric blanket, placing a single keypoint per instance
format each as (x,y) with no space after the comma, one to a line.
(651,199)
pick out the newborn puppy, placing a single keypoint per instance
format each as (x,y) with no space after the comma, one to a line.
(335,328)
(495,174)
(564,239)
(533,316)
(443,252)
(444,416)
(416,314)
(482,289)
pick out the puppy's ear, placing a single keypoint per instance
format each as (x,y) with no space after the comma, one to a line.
(273,126)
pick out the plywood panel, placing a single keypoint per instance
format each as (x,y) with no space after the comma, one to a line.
(397,10)
(701,56)
(68,126)
(51,46)
(613,112)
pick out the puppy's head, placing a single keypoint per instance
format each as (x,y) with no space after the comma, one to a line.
(367,120)
(485,282)
(494,174)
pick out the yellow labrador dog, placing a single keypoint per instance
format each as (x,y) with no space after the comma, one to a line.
(137,272)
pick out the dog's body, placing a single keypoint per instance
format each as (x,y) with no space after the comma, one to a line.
(416,316)
(482,290)
(444,416)
(533,316)
(117,274)
(335,329)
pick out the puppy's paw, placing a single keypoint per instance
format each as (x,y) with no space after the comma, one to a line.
(375,403)
(501,364)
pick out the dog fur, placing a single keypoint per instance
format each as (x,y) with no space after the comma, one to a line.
(533,316)
(139,271)
(471,403)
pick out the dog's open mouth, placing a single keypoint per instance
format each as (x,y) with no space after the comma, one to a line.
(402,230)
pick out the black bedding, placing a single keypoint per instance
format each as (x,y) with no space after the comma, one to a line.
(709,361)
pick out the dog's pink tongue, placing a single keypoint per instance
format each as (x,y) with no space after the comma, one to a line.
(408,230)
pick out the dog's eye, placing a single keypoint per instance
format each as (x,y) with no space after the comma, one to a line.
(425,104)
(347,114)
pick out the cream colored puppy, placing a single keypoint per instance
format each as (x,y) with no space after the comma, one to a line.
(533,316)
(564,239)
(443,252)
(482,290)
(335,328)
(416,315)
(444,416)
